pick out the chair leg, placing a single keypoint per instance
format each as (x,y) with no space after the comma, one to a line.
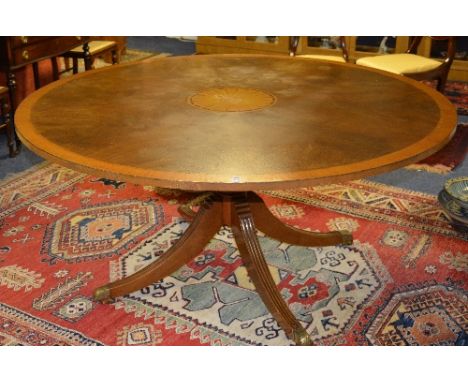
(66,62)
(91,66)
(37,80)
(88,60)
(115,57)
(9,129)
(441,81)
(55,68)
(75,65)
(12,95)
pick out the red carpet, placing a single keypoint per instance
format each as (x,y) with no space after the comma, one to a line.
(454,152)
(449,157)
(457,92)
(403,282)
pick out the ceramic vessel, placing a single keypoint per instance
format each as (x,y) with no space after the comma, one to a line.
(457,214)
(457,188)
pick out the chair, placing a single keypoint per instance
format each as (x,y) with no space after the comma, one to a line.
(294,42)
(37,75)
(411,65)
(5,120)
(96,49)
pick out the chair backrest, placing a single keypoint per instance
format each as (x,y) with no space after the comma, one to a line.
(451,46)
(294,43)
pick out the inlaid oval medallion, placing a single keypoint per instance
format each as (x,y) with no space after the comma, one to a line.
(232,99)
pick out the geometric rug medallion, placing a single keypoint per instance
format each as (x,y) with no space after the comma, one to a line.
(434,315)
(98,231)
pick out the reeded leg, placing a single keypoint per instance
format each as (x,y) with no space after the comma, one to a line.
(247,242)
(204,226)
(267,223)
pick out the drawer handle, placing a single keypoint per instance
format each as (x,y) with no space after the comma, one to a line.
(78,38)
(25,54)
(24,39)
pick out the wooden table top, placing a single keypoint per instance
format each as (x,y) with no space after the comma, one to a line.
(235,122)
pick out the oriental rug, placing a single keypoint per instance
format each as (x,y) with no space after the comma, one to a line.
(447,159)
(62,233)
(453,154)
(457,92)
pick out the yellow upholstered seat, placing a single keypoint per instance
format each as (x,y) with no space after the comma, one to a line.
(322,57)
(403,63)
(341,48)
(96,47)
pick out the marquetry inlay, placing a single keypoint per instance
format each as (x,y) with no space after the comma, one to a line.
(232,99)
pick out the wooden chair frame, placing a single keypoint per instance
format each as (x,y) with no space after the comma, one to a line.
(441,72)
(75,56)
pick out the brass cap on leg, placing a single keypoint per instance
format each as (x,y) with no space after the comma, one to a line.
(102,294)
(347,237)
(301,337)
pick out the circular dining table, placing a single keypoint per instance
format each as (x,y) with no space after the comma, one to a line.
(233,125)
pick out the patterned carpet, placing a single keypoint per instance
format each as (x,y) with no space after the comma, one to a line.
(447,159)
(457,92)
(403,281)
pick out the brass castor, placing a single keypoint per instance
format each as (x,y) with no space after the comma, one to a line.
(301,338)
(102,294)
(347,237)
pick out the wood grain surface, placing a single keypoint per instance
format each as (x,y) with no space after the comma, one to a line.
(325,122)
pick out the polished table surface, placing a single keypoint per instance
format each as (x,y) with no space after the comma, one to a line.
(232,125)
(235,122)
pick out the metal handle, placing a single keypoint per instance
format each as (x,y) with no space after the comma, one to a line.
(24,39)
(25,54)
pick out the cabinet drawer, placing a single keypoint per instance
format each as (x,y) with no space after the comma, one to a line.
(17,41)
(45,48)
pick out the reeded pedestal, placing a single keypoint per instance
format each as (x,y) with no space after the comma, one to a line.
(244,212)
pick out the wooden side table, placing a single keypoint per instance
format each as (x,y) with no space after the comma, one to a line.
(19,51)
